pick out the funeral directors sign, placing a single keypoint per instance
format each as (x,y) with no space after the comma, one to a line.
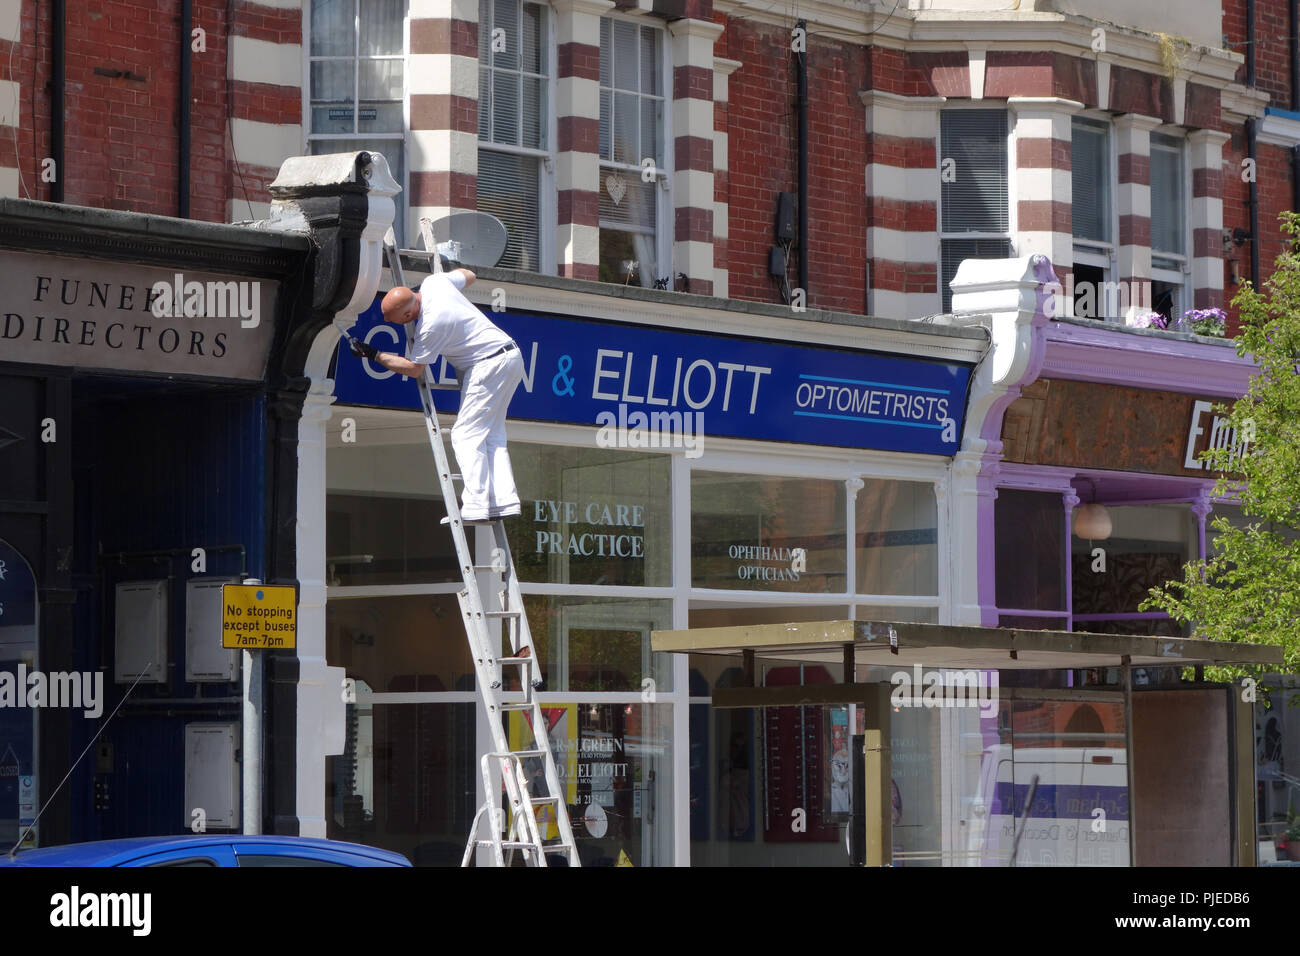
(84,313)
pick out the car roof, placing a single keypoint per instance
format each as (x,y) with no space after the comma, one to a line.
(115,852)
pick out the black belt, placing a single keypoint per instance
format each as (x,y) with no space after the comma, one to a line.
(502,351)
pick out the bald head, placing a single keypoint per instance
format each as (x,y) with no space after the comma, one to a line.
(400,305)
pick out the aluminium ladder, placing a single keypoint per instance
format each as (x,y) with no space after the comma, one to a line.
(523,834)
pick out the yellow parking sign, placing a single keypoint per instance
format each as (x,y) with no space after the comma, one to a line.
(258,616)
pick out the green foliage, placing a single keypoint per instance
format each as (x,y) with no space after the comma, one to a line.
(1249,589)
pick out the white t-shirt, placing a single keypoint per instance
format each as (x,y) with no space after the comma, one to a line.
(451,326)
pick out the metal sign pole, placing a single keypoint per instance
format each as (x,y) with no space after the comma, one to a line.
(252,743)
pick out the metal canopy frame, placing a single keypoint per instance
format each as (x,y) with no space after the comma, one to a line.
(903,645)
(898,644)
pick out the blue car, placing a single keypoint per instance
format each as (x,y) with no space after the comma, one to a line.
(229,849)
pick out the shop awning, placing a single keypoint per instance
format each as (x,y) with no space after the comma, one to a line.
(885,644)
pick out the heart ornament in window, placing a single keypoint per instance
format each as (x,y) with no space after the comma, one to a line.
(616,186)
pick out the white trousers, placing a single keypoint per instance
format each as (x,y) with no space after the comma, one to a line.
(479,436)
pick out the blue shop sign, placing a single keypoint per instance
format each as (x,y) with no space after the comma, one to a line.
(576,370)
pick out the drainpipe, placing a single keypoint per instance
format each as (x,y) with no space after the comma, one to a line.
(1250,43)
(57,42)
(801,64)
(183,103)
(1251,132)
(1295,98)
(1293,8)
(1295,177)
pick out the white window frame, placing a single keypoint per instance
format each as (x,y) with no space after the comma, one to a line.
(1012,221)
(547,210)
(1091,252)
(664,217)
(1180,275)
(400,201)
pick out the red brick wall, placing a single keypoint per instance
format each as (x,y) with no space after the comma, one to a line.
(121,134)
(1273,172)
(763,161)
(1272,48)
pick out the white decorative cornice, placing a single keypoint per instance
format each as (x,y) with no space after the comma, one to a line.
(1007,296)
(1208,137)
(1275,130)
(896,101)
(1138,121)
(726,67)
(595,8)
(1238,103)
(1043,105)
(703,29)
(886,25)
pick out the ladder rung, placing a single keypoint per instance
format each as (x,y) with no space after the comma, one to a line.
(537,801)
(522,753)
(519,705)
(488,567)
(514,660)
(500,613)
(510,845)
(454,476)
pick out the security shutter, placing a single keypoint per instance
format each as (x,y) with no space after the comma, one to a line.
(975,200)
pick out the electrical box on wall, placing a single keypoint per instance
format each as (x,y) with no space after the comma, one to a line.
(211,776)
(140,632)
(776,261)
(785,225)
(206,661)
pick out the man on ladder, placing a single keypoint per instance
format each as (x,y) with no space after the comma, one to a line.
(441,321)
(490,369)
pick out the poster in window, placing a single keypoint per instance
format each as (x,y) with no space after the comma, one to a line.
(838,776)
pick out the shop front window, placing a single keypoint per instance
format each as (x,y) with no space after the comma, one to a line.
(772,786)
(599,644)
(753,532)
(382,514)
(404,780)
(591,516)
(614,762)
(403,644)
(1147,547)
(897,538)
(1029,530)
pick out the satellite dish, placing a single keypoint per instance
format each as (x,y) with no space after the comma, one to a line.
(470,238)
